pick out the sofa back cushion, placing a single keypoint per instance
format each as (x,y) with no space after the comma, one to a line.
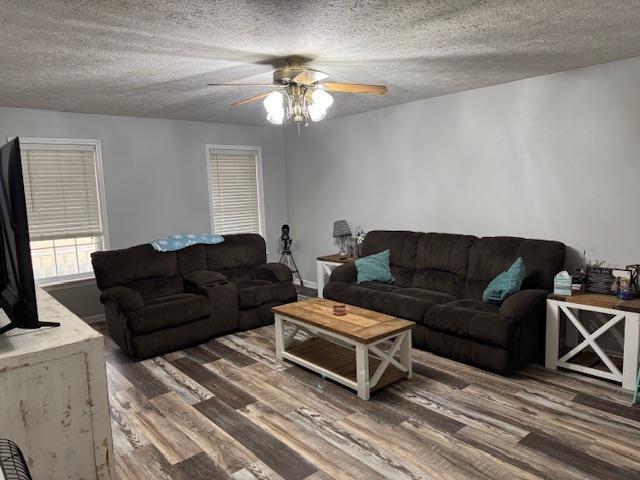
(441,262)
(153,274)
(403,246)
(236,258)
(490,256)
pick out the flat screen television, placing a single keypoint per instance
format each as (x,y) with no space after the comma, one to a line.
(17,285)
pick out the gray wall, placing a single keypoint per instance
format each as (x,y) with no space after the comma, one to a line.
(554,157)
(155,175)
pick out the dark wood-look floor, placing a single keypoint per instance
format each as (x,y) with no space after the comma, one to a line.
(227,409)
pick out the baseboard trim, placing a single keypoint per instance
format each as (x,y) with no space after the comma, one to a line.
(94,318)
(307,283)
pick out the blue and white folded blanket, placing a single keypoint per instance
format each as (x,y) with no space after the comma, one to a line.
(171,243)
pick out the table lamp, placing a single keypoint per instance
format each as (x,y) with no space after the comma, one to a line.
(341,232)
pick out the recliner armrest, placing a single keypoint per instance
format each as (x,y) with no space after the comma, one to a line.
(344,273)
(126,298)
(200,278)
(519,305)
(274,272)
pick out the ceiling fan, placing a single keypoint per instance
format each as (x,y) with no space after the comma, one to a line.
(298,94)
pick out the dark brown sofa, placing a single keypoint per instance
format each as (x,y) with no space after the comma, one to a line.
(439,281)
(158,302)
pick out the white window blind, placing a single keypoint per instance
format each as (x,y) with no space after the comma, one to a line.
(61,190)
(235,205)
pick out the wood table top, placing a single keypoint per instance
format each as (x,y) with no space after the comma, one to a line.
(336,258)
(599,300)
(358,324)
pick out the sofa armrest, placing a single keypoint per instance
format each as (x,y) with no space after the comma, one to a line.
(344,273)
(519,305)
(224,300)
(127,299)
(200,278)
(275,272)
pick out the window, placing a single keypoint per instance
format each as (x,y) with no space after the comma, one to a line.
(235,190)
(62,182)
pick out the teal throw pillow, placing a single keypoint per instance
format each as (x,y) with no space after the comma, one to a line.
(375,268)
(505,284)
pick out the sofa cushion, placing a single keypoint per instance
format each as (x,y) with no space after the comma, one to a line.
(275,272)
(466,350)
(374,268)
(237,251)
(372,297)
(403,246)
(403,306)
(381,287)
(157,287)
(441,262)
(168,312)
(490,256)
(473,319)
(153,274)
(119,267)
(254,293)
(432,296)
(191,258)
(505,284)
(358,295)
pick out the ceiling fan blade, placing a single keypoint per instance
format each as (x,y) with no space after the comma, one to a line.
(308,77)
(266,85)
(250,99)
(355,88)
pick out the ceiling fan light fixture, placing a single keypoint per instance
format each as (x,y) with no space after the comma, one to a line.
(274,105)
(300,93)
(320,103)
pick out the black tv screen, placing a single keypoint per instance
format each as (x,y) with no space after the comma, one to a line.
(17,286)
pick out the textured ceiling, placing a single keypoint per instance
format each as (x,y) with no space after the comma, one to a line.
(154,58)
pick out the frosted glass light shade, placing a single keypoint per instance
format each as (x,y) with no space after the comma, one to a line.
(274,105)
(321,101)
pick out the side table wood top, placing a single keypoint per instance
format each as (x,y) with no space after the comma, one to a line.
(599,300)
(335,258)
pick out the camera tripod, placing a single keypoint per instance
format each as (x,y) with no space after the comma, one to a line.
(290,262)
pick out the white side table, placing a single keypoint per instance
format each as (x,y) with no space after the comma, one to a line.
(617,310)
(325,266)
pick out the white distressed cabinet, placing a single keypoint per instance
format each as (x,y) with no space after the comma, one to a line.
(53,396)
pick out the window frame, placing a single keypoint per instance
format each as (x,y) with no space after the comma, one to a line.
(104,242)
(257,151)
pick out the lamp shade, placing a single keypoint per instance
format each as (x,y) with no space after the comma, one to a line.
(274,105)
(321,101)
(341,229)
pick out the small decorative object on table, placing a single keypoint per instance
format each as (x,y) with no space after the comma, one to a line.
(635,270)
(352,250)
(339,309)
(577,280)
(562,283)
(341,232)
(624,288)
(359,241)
(601,280)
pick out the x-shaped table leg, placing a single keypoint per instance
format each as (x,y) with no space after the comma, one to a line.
(590,339)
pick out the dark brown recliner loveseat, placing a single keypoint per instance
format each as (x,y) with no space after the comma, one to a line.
(157,302)
(439,281)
